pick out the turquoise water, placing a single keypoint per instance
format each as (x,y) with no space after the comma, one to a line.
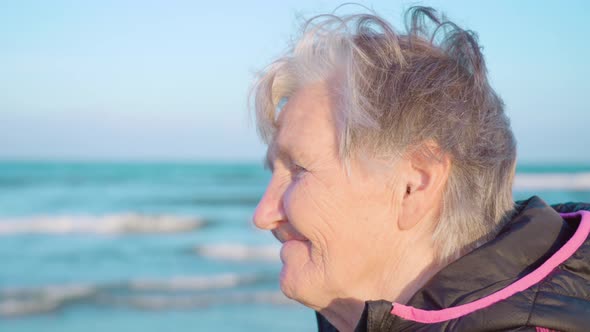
(154,246)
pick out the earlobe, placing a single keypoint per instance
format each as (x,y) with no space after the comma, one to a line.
(411,213)
(410,209)
(425,179)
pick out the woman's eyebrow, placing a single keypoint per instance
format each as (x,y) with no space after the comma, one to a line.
(276,151)
(268,159)
(271,155)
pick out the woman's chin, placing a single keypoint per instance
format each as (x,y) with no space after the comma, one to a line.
(294,255)
(295,252)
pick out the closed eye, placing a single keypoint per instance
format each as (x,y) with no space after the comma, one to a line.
(297,170)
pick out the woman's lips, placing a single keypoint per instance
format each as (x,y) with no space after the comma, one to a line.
(286,233)
(293,246)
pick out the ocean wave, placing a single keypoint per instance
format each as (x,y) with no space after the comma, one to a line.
(37,300)
(239,252)
(553,181)
(184,283)
(152,294)
(195,301)
(126,223)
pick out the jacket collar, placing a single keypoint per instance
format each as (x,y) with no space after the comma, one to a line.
(535,232)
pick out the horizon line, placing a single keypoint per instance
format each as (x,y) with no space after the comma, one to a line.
(196,160)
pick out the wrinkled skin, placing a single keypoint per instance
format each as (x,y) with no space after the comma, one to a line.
(334,228)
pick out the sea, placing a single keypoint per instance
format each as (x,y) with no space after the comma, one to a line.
(156,246)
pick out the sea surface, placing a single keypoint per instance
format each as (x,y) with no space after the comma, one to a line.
(88,246)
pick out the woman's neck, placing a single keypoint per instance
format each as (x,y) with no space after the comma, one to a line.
(402,277)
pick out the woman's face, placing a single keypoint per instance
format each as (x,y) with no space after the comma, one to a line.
(334,228)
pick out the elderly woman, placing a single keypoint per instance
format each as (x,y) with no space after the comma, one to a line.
(392,164)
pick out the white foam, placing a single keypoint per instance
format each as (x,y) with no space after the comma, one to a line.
(154,294)
(194,282)
(239,252)
(12,307)
(553,181)
(124,223)
(35,300)
(50,291)
(190,301)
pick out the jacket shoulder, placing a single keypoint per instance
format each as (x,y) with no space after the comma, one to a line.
(571,207)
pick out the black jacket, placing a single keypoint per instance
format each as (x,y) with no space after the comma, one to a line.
(493,288)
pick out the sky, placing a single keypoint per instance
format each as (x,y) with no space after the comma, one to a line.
(168,80)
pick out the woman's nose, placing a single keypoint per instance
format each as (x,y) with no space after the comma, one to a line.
(269,212)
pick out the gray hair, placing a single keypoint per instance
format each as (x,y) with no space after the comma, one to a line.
(397,91)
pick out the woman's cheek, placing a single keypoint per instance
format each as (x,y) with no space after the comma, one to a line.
(292,202)
(319,217)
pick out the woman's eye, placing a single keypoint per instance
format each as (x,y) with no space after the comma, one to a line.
(298,170)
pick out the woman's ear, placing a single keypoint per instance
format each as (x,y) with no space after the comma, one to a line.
(425,173)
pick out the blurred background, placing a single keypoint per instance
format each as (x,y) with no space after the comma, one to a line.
(129,168)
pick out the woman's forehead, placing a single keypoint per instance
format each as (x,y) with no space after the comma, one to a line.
(306,123)
(309,110)
(309,106)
